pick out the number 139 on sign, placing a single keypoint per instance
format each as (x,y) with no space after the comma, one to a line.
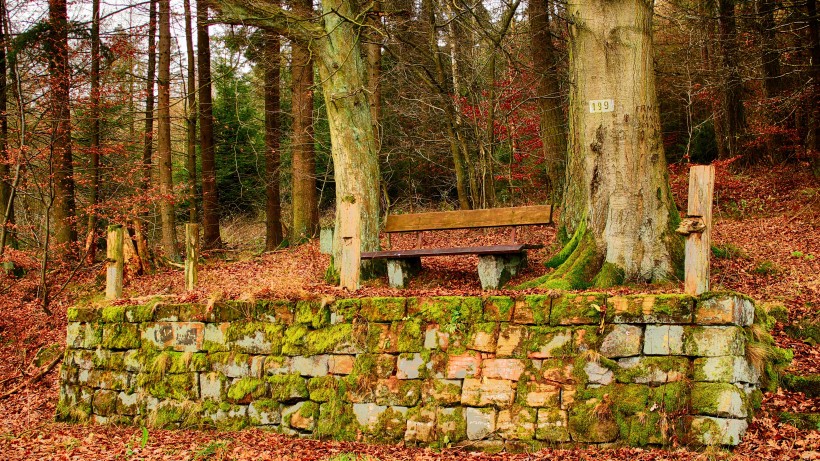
(601,105)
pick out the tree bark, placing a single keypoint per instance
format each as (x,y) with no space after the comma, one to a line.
(550,112)
(210,197)
(148,137)
(374,69)
(65,227)
(190,121)
(618,206)
(273,209)
(166,187)
(304,197)
(814,125)
(5,158)
(94,112)
(733,113)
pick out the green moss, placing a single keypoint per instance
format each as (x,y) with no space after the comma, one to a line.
(707,398)
(729,251)
(609,276)
(550,341)
(285,388)
(331,274)
(630,399)
(452,311)
(577,309)
(569,246)
(83,314)
(405,393)
(139,313)
(808,384)
(804,421)
(646,428)
(579,268)
(649,366)
(373,366)
(670,397)
(767,268)
(112,314)
(533,309)
(327,339)
(256,337)
(774,364)
(410,335)
(498,308)
(120,336)
(294,339)
(383,309)
(593,421)
(176,362)
(451,425)
(323,388)
(314,313)
(336,418)
(225,416)
(806,330)
(245,389)
(275,310)
(389,426)
(348,309)
(183,386)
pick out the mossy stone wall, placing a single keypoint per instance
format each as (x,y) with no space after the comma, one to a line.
(493,373)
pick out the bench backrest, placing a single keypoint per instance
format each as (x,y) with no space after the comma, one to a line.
(467,219)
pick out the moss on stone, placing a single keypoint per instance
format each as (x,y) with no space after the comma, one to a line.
(275,311)
(256,337)
(286,388)
(671,397)
(347,309)
(327,339)
(182,386)
(322,388)
(336,418)
(120,336)
(807,384)
(577,309)
(139,313)
(498,308)
(451,425)
(314,313)
(294,339)
(453,311)
(569,245)
(177,362)
(609,276)
(246,389)
(410,335)
(630,399)
(550,342)
(383,309)
(112,314)
(389,426)
(578,270)
(83,314)
(593,421)
(803,421)
(373,366)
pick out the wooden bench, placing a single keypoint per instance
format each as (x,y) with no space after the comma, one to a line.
(496,263)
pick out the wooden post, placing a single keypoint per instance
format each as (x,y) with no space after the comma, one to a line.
(350,234)
(697,228)
(115,262)
(191,255)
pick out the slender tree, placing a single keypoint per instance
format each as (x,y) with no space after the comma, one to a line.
(273,132)
(618,207)
(304,201)
(813,135)
(734,119)
(166,186)
(65,225)
(190,121)
(210,198)
(5,158)
(94,148)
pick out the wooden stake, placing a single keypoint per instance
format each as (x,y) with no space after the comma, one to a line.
(115,262)
(697,228)
(350,235)
(191,255)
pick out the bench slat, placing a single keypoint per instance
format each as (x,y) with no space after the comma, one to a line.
(493,217)
(417,253)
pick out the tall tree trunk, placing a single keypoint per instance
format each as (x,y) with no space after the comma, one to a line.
(814,126)
(618,205)
(5,158)
(65,227)
(304,202)
(94,112)
(374,69)
(210,197)
(148,136)
(166,186)
(734,117)
(273,209)
(190,122)
(550,113)
(770,58)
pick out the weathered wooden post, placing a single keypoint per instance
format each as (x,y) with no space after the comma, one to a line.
(697,227)
(351,254)
(115,262)
(191,255)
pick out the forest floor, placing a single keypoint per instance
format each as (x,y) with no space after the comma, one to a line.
(767,236)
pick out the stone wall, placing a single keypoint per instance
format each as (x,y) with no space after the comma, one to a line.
(490,373)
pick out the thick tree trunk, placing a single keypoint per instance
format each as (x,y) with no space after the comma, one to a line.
(210,197)
(814,109)
(273,209)
(94,112)
(148,137)
(374,70)
(550,112)
(166,187)
(65,227)
(618,205)
(305,205)
(770,59)
(734,123)
(190,121)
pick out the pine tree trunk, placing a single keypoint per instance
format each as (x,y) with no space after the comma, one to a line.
(210,197)
(618,205)
(65,227)
(550,112)
(94,169)
(148,137)
(305,205)
(190,121)
(166,187)
(273,209)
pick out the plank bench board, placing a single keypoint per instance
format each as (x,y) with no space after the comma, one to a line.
(469,219)
(417,253)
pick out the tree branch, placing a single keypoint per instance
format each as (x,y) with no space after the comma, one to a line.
(264,14)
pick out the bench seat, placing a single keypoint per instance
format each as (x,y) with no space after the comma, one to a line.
(426,252)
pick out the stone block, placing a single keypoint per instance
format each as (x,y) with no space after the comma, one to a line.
(159,334)
(483,337)
(577,309)
(622,340)
(516,423)
(598,374)
(164,312)
(532,310)
(399,271)
(256,337)
(663,340)
(301,416)
(395,392)
(83,335)
(409,367)
(367,414)
(498,308)
(511,341)
(552,425)
(714,341)
(374,365)
(83,314)
(463,366)
(383,309)
(485,392)
(652,370)
(547,342)
(274,365)
(451,424)
(707,430)
(480,422)
(649,308)
(724,309)
(509,369)
(128,404)
(589,422)
(326,240)
(104,402)
(727,369)
(212,385)
(421,426)
(718,399)
(340,364)
(405,336)
(265,412)
(105,379)
(441,391)
(275,311)
(231,364)
(316,365)
(538,394)
(494,271)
